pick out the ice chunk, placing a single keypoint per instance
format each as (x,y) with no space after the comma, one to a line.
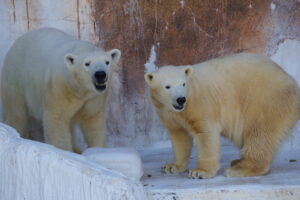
(125,160)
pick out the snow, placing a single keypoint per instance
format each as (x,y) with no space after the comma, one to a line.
(37,171)
(283,181)
(272,6)
(150,65)
(125,160)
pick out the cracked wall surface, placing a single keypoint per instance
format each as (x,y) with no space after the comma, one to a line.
(182,32)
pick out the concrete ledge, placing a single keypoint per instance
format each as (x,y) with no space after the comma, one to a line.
(35,171)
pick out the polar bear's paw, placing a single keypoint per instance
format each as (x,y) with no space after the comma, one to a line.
(236,171)
(172,168)
(201,173)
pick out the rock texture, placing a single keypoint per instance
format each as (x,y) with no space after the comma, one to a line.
(182,32)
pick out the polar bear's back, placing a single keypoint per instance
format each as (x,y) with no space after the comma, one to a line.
(27,64)
(243,70)
(238,65)
(35,48)
(48,37)
(243,73)
(44,37)
(34,51)
(242,89)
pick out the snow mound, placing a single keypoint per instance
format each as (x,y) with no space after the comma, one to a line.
(37,171)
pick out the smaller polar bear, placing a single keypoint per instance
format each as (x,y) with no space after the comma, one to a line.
(52,78)
(245,97)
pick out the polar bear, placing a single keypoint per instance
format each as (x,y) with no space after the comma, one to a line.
(244,97)
(50,77)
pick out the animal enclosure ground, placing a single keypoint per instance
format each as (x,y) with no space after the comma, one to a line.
(283,181)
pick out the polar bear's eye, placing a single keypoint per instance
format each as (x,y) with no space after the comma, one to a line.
(183,85)
(87,64)
(168,87)
(107,62)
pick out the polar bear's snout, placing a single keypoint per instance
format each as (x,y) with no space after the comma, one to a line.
(100,76)
(178,95)
(180,103)
(100,79)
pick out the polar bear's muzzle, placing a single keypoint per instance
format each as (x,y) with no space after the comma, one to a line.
(100,79)
(180,102)
(100,87)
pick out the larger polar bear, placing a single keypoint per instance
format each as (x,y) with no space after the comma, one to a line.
(59,81)
(246,98)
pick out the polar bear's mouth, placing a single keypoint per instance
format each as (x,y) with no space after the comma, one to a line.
(178,107)
(100,86)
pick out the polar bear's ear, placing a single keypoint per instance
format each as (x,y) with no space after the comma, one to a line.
(115,55)
(188,70)
(149,78)
(69,59)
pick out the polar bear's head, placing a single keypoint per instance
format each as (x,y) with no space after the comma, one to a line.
(92,69)
(168,86)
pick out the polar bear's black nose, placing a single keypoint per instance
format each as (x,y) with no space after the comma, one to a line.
(100,76)
(181,100)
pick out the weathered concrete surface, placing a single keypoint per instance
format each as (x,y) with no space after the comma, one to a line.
(282,183)
(37,171)
(182,32)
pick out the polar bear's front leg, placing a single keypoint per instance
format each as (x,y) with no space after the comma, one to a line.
(57,130)
(57,121)
(208,155)
(182,144)
(94,129)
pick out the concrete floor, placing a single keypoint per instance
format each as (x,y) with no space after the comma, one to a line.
(283,181)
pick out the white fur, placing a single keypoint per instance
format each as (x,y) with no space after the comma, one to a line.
(244,97)
(45,78)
